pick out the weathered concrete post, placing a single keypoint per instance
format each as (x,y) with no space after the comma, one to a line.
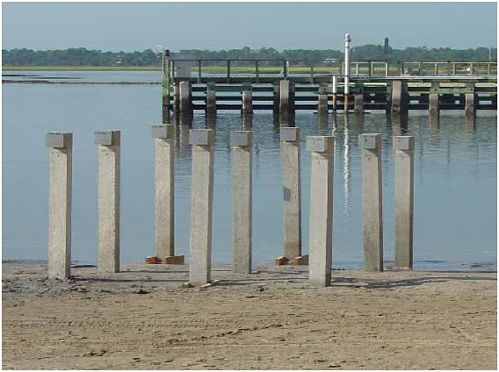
(372,201)
(164,189)
(290,165)
(108,145)
(176,98)
(322,102)
(399,97)
(185,98)
(202,141)
(211,100)
(60,194)
(286,100)
(434,104)
(165,86)
(247,100)
(241,143)
(335,92)
(276,99)
(358,103)
(469,102)
(404,200)
(321,209)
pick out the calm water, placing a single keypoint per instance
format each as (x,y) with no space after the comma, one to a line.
(455,177)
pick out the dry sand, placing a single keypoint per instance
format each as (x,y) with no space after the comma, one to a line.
(143,319)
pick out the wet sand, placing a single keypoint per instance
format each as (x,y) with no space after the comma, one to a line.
(143,318)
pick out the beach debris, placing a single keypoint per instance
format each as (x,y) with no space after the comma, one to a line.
(173,260)
(281,260)
(152,260)
(186,285)
(141,291)
(300,261)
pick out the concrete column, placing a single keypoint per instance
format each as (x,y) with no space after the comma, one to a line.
(185,98)
(372,201)
(247,121)
(176,98)
(165,87)
(286,100)
(400,97)
(276,100)
(164,189)
(108,145)
(202,141)
(404,200)
(358,103)
(290,165)
(322,104)
(247,100)
(469,105)
(60,194)
(335,92)
(241,143)
(321,209)
(434,104)
(211,100)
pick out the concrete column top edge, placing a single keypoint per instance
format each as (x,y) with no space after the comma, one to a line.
(241,138)
(202,137)
(290,134)
(163,131)
(369,141)
(58,140)
(107,138)
(405,143)
(320,143)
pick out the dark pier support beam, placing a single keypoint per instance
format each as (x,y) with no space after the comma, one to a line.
(165,87)
(322,101)
(470,102)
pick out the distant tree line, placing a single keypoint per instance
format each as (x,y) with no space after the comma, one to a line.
(148,57)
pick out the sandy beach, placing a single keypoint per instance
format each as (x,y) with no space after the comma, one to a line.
(143,318)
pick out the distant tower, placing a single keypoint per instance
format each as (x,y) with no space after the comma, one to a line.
(386,49)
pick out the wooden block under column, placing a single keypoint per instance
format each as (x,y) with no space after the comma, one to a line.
(152,260)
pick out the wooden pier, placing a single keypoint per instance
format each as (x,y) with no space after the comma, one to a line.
(285,86)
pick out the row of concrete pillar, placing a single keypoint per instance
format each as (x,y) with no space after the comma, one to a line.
(202,141)
(284,98)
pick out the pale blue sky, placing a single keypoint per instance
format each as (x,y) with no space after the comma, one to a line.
(137,26)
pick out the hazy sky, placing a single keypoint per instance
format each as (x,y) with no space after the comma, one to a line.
(138,26)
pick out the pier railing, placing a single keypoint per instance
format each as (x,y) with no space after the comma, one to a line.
(257,68)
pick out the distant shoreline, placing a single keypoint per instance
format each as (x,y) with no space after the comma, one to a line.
(81,68)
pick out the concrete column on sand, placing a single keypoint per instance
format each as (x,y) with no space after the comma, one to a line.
(404,200)
(290,163)
(60,194)
(372,201)
(321,209)
(164,189)
(202,141)
(108,147)
(241,143)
